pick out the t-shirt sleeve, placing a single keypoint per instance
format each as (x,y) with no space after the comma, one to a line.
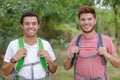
(109,44)
(11,50)
(72,43)
(9,53)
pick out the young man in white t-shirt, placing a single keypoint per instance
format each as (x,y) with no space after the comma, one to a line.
(31,53)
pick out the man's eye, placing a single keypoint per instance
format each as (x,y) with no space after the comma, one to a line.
(82,19)
(27,24)
(34,23)
(90,19)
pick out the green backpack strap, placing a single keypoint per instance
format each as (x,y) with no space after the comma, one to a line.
(20,62)
(42,59)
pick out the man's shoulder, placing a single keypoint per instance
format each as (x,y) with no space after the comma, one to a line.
(106,39)
(75,38)
(43,40)
(105,36)
(14,41)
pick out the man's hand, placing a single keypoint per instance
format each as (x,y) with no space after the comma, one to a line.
(44,53)
(74,50)
(102,51)
(19,54)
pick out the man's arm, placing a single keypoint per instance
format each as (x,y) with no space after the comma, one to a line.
(68,63)
(7,68)
(52,66)
(114,59)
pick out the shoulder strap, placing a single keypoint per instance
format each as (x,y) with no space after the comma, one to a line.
(42,59)
(76,55)
(20,62)
(78,41)
(100,44)
(77,44)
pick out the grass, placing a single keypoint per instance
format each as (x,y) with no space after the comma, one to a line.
(61,74)
(114,73)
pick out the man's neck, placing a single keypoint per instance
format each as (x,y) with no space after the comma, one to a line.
(30,40)
(89,35)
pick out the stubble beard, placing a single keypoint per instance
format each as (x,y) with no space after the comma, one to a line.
(87,31)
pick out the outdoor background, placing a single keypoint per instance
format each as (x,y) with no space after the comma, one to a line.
(59,24)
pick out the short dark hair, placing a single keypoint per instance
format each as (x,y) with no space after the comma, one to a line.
(86,9)
(29,14)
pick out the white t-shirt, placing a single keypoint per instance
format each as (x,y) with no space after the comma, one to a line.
(30,57)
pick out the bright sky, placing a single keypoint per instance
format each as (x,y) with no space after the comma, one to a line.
(100,5)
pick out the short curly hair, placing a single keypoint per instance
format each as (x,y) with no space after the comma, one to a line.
(29,14)
(86,9)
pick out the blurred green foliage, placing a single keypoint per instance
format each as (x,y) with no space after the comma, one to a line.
(52,14)
(59,22)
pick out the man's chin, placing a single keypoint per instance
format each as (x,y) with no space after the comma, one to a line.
(31,35)
(88,31)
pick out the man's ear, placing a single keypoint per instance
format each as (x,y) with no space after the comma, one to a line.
(79,21)
(21,26)
(95,21)
(39,26)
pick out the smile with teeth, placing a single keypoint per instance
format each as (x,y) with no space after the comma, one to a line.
(86,27)
(30,30)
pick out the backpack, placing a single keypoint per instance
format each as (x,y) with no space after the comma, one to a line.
(21,61)
(103,60)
